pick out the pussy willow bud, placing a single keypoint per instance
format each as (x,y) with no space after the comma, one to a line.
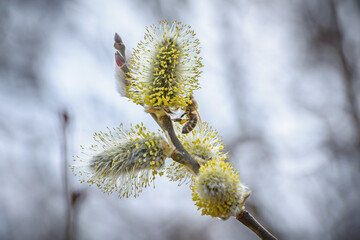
(120,61)
(164,69)
(117,39)
(121,68)
(119,45)
(217,190)
(203,144)
(125,161)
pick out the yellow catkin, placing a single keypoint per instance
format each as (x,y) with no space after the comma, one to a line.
(164,69)
(217,190)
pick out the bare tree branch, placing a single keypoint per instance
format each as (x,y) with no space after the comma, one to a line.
(348,73)
(64,124)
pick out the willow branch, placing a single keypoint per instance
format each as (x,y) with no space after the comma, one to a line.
(348,72)
(64,125)
(180,154)
(248,220)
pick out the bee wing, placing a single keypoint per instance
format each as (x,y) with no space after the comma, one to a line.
(200,122)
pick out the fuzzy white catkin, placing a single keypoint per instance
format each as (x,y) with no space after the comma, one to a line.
(124,162)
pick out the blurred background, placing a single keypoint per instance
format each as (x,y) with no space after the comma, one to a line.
(280,82)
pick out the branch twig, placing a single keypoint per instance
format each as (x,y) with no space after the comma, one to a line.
(348,73)
(180,154)
(64,125)
(248,220)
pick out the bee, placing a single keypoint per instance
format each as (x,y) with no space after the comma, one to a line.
(192,116)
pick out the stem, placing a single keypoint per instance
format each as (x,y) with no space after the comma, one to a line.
(248,220)
(64,122)
(179,157)
(180,154)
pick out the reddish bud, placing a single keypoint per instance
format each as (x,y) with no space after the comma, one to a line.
(120,61)
(117,38)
